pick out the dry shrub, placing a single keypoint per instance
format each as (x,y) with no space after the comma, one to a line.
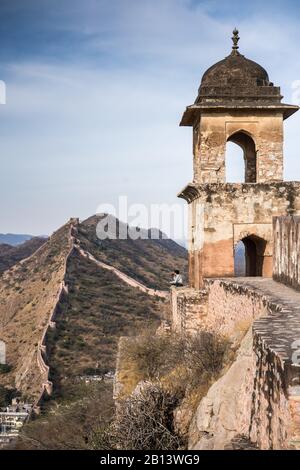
(144,421)
(84,410)
(191,359)
(205,356)
(154,356)
(181,370)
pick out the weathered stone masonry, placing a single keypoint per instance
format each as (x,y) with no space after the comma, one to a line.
(236,102)
(263,385)
(287,250)
(220,215)
(258,397)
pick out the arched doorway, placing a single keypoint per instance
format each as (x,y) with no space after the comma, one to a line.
(249,256)
(233,167)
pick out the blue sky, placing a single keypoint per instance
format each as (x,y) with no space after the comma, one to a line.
(96,89)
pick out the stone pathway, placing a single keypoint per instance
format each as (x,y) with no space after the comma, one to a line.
(281,328)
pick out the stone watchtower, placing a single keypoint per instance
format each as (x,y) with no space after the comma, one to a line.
(236,102)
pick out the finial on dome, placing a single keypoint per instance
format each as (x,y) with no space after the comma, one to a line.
(235,39)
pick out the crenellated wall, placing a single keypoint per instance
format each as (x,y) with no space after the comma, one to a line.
(286,250)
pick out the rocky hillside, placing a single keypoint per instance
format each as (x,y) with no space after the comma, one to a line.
(100,307)
(150,261)
(28,295)
(96,308)
(10,255)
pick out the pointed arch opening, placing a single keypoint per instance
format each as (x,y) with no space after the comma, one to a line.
(240,158)
(249,256)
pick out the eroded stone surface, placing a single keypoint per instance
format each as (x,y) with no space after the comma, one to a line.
(259,396)
(224,412)
(220,215)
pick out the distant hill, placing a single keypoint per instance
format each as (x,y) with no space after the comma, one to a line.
(13,238)
(98,308)
(28,294)
(10,255)
(150,261)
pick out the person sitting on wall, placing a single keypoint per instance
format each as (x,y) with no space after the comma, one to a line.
(177,279)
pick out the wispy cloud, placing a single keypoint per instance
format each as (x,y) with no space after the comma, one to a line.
(95,91)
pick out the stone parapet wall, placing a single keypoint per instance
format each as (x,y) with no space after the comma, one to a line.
(270,424)
(286,250)
(221,306)
(46,384)
(189,309)
(232,308)
(259,396)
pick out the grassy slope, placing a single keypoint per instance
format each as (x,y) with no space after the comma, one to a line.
(99,309)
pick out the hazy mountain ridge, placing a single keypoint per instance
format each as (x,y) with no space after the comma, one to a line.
(14,239)
(100,307)
(150,261)
(10,254)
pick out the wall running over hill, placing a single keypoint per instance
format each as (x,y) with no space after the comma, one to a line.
(47,386)
(286,256)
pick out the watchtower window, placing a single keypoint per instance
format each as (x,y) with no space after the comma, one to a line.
(240,165)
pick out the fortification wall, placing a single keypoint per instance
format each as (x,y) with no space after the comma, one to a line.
(46,384)
(222,306)
(189,309)
(286,250)
(259,396)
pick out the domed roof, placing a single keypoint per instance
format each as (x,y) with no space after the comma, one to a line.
(234,84)
(235,69)
(237,78)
